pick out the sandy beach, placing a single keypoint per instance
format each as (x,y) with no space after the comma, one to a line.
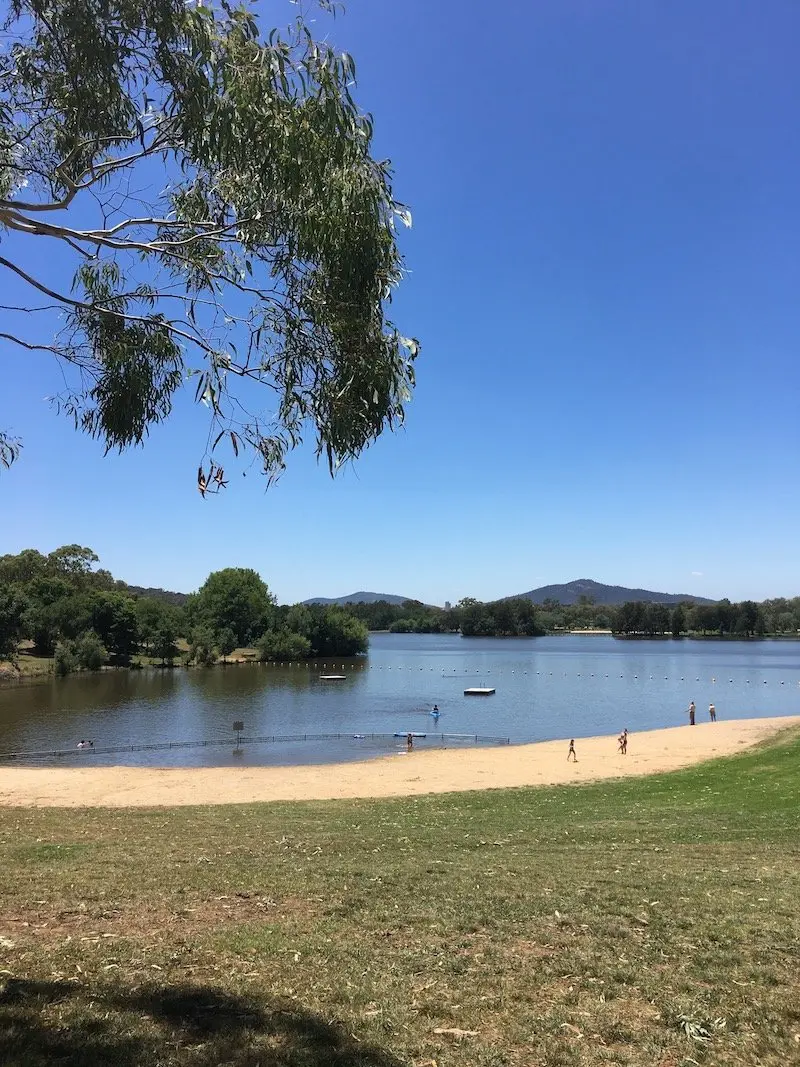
(401,774)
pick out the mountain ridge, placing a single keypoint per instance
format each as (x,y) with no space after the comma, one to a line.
(361,597)
(570,592)
(565,593)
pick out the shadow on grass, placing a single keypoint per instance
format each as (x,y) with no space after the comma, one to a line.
(76,1025)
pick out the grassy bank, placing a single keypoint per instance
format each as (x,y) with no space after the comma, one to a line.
(26,665)
(30,665)
(654,921)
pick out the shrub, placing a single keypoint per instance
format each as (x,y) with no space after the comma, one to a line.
(202,647)
(90,652)
(64,661)
(282,645)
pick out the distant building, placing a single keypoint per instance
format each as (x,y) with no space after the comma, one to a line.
(447,605)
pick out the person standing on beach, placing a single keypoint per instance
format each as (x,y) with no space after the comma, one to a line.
(410,741)
(712,713)
(691,713)
(572,750)
(623,742)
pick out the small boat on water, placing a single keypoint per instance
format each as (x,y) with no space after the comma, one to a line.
(479,691)
(332,677)
(405,733)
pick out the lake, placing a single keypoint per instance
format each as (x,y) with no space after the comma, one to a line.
(549,687)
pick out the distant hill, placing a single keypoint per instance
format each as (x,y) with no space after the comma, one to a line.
(571,592)
(359,598)
(176,599)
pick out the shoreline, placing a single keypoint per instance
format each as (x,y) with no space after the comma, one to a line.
(398,775)
(11,676)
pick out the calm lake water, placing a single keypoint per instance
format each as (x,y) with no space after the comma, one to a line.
(549,687)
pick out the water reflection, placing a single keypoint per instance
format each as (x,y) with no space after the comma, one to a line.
(549,687)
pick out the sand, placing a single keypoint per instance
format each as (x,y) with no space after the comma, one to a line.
(434,770)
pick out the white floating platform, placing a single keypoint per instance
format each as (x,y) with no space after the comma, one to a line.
(479,691)
(332,677)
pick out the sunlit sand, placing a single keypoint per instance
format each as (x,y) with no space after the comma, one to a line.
(400,774)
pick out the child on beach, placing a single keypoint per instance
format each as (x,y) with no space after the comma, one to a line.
(410,742)
(572,750)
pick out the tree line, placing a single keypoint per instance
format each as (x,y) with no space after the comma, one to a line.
(519,617)
(62,605)
(516,617)
(777,617)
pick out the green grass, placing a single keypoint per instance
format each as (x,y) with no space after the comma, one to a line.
(650,921)
(27,664)
(31,665)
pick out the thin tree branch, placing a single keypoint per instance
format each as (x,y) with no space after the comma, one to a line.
(97,173)
(34,348)
(41,287)
(81,305)
(15,221)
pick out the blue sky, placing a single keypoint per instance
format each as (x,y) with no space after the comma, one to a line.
(604,277)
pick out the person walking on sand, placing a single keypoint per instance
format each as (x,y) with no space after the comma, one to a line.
(623,742)
(572,751)
(691,713)
(712,713)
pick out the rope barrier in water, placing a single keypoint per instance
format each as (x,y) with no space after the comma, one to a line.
(161,746)
(455,672)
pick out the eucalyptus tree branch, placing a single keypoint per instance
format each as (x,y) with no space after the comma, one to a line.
(270,198)
(209,231)
(82,305)
(32,347)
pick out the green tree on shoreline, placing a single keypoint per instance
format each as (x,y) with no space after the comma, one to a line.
(235,599)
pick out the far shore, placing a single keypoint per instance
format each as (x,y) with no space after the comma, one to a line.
(606,633)
(31,668)
(397,775)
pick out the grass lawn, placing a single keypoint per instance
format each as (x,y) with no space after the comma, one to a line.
(27,664)
(30,664)
(652,921)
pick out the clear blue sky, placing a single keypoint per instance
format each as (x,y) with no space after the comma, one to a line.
(605,281)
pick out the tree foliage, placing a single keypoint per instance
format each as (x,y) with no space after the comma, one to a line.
(90,652)
(77,612)
(202,646)
(283,645)
(213,189)
(226,642)
(12,610)
(335,632)
(234,599)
